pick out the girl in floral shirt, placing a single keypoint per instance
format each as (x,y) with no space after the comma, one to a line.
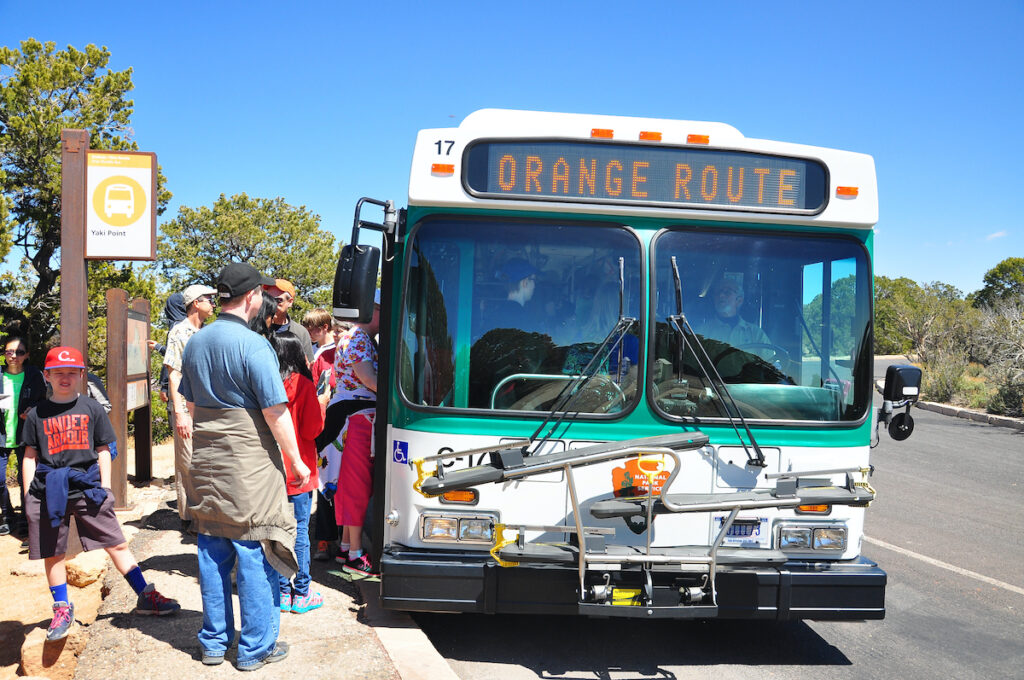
(353,404)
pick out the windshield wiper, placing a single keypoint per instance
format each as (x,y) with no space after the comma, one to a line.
(707,366)
(611,343)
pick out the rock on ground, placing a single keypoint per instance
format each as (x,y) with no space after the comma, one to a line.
(56,660)
(87,567)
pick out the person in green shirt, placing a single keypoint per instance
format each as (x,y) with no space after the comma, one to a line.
(22,387)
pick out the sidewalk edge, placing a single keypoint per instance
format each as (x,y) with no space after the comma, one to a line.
(411,652)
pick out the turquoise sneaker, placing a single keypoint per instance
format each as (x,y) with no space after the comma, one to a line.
(304,603)
(286,602)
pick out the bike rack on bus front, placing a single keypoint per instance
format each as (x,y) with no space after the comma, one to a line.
(509,464)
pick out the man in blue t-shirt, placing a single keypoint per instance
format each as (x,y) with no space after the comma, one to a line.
(237,497)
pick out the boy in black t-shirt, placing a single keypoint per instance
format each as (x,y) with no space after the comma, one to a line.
(67,472)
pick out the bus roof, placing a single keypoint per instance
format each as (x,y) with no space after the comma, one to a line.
(441,162)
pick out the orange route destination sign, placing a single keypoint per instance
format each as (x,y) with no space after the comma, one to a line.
(121,211)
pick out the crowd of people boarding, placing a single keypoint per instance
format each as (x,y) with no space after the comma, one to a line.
(272,420)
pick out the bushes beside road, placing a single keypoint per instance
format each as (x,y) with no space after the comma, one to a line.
(970,348)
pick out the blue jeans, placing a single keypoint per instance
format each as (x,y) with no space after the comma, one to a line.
(301,503)
(258,597)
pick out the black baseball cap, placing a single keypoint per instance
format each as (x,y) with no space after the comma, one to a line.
(239,278)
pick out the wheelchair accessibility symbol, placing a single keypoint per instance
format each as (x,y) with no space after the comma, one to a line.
(400,452)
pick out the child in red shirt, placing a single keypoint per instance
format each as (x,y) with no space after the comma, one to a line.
(308,421)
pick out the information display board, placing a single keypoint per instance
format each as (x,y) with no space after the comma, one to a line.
(596,172)
(137,345)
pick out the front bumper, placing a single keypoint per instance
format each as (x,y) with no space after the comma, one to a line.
(414,580)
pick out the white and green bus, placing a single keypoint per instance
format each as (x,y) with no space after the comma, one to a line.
(625,370)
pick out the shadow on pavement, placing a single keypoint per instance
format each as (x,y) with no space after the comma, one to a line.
(176,564)
(562,646)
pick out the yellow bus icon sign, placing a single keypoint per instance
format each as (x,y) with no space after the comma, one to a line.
(119,201)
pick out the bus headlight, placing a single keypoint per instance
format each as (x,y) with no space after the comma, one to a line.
(806,537)
(476,529)
(794,538)
(830,538)
(445,527)
(440,529)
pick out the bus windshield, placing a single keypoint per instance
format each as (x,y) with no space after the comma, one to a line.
(505,315)
(784,318)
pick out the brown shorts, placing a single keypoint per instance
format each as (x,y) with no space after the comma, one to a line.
(97,526)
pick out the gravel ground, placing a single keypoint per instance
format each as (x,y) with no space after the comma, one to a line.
(329,642)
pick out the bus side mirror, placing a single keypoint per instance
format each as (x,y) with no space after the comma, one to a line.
(902,387)
(355,281)
(902,383)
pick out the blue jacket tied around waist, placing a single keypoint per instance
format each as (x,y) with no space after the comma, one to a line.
(60,480)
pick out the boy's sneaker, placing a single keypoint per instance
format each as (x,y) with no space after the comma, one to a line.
(322,553)
(308,602)
(4,529)
(63,617)
(152,603)
(360,566)
(286,602)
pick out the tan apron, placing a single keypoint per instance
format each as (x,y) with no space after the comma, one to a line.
(237,488)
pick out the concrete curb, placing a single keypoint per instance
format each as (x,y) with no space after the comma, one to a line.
(975,416)
(412,653)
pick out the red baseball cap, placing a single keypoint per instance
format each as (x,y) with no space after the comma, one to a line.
(64,357)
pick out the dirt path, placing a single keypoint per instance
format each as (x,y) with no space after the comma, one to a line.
(25,600)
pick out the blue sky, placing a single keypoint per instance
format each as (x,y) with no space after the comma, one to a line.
(320,102)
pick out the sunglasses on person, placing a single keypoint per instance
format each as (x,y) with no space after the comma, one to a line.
(13,352)
(282,298)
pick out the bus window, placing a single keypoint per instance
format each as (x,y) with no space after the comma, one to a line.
(828,354)
(783,320)
(427,361)
(505,315)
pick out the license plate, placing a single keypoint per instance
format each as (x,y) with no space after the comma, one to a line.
(747,532)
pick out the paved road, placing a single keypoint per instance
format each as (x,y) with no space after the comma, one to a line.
(947,527)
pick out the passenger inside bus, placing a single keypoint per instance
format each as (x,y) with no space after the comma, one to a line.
(520,283)
(596,325)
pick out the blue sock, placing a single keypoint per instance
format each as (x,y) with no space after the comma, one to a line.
(355,554)
(60,593)
(136,580)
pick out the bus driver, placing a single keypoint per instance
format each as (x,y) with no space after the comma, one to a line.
(727,325)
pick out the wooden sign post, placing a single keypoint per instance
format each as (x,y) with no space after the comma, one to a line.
(128,387)
(74,293)
(108,212)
